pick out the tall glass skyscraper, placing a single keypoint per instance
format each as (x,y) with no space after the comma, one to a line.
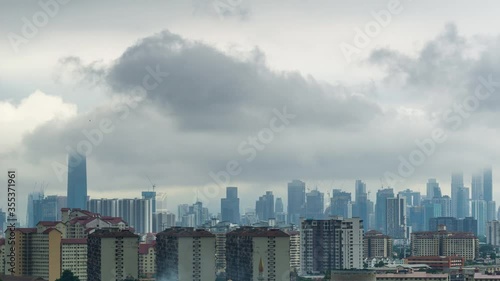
(230,206)
(77,181)
(296,201)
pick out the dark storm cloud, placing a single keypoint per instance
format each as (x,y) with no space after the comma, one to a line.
(206,89)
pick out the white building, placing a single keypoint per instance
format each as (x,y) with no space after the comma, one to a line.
(74,257)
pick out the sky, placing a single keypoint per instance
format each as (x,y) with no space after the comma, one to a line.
(196,95)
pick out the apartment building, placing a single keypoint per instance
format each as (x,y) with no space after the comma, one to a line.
(444,243)
(112,255)
(74,257)
(331,244)
(37,252)
(185,253)
(147,260)
(257,253)
(377,245)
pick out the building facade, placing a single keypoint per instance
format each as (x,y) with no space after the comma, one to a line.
(112,255)
(257,253)
(331,244)
(183,253)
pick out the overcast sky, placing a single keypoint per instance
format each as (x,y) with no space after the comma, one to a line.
(180,90)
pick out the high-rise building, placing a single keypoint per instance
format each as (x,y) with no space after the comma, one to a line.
(278,205)
(257,253)
(138,213)
(488,184)
(417,218)
(294,249)
(493,233)
(463,209)
(112,255)
(480,213)
(74,257)
(444,203)
(396,217)
(457,182)
(362,205)
(492,215)
(468,224)
(340,204)
(264,207)
(48,208)
(413,198)
(37,252)
(381,208)
(230,206)
(296,201)
(377,245)
(30,214)
(433,189)
(331,244)
(151,195)
(315,205)
(77,181)
(183,253)
(163,220)
(477,187)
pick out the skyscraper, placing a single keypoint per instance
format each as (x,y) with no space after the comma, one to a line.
(340,204)
(361,206)
(433,189)
(30,214)
(413,198)
(477,187)
(457,182)
(480,213)
(315,205)
(230,206)
(381,208)
(77,181)
(488,184)
(396,217)
(463,209)
(264,207)
(296,201)
(278,206)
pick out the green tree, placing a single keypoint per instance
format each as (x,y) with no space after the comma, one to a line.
(380,264)
(68,276)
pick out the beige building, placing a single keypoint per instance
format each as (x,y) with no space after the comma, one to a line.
(377,245)
(183,253)
(258,253)
(74,257)
(112,255)
(147,260)
(37,252)
(444,243)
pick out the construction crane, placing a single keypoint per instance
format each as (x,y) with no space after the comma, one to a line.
(152,184)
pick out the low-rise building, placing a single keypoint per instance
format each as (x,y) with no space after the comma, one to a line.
(412,276)
(438,262)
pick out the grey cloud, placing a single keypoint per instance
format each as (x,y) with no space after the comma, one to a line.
(207,89)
